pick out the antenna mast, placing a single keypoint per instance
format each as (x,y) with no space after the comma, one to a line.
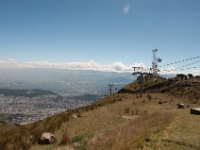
(154,63)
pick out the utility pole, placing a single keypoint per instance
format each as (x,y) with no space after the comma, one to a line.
(110,85)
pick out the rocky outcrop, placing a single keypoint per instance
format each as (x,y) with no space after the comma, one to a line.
(47,138)
(195,111)
(180,105)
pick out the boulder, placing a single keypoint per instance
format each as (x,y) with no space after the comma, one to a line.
(47,138)
(76,115)
(195,111)
(180,106)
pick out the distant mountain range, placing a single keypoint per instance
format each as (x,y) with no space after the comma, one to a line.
(64,82)
(25,92)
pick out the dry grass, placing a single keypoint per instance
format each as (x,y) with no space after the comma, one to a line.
(6,126)
(109,118)
(150,83)
(182,134)
(25,136)
(130,135)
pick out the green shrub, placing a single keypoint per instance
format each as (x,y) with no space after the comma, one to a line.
(78,138)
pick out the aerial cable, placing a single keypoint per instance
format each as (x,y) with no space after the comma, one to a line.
(180,69)
(190,68)
(188,59)
(187,65)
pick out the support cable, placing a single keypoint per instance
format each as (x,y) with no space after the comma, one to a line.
(188,59)
(180,69)
(188,64)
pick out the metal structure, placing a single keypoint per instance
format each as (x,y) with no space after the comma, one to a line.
(110,85)
(154,63)
(141,78)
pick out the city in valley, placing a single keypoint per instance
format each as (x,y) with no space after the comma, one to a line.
(37,96)
(21,109)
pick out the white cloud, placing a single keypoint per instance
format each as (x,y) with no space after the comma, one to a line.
(90,65)
(126,9)
(170,70)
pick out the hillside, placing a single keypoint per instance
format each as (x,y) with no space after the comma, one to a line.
(6,126)
(180,88)
(122,121)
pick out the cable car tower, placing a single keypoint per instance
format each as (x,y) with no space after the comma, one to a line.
(110,85)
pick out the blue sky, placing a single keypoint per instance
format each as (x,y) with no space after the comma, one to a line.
(105,31)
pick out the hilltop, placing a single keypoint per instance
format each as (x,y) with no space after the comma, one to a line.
(122,121)
(179,86)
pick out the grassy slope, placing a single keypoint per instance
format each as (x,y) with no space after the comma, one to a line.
(162,124)
(6,126)
(182,133)
(104,125)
